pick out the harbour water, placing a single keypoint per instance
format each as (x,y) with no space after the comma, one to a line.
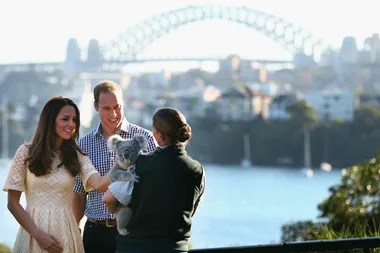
(242,206)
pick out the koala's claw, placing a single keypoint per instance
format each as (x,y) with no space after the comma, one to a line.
(135,178)
(123,231)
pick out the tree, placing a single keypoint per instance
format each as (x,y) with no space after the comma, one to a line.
(305,118)
(302,114)
(352,209)
(367,118)
(21,85)
(4,248)
(356,199)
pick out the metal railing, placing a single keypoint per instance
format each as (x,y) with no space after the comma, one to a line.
(307,246)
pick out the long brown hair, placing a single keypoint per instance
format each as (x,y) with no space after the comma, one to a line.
(42,149)
(172,125)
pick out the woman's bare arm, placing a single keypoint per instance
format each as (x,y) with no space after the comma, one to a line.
(78,206)
(100,183)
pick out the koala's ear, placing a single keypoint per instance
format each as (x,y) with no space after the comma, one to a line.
(141,140)
(114,141)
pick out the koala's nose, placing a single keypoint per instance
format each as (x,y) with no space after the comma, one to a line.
(126,153)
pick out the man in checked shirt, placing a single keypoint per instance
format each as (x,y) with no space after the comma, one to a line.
(100,230)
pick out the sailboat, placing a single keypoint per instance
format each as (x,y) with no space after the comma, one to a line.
(326,166)
(307,169)
(246,161)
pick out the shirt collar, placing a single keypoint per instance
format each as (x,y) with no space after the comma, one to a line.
(124,127)
(180,148)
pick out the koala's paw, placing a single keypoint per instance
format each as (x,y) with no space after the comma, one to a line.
(135,178)
(123,231)
(132,169)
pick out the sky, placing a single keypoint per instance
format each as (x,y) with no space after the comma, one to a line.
(38,30)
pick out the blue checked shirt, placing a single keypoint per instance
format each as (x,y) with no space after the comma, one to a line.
(95,145)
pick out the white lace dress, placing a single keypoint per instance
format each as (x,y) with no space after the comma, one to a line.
(48,202)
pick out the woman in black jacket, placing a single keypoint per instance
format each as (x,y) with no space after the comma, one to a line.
(167,196)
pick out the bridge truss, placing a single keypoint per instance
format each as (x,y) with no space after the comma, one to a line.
(127,46)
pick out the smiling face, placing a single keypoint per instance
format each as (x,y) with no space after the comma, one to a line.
(110,109)
(65,124)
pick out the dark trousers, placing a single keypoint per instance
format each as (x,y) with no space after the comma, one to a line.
(99,238)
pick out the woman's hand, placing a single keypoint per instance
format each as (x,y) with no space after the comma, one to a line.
(110,201)
(44,240)
(48,242)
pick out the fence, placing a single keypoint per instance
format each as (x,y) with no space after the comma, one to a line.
(307,246)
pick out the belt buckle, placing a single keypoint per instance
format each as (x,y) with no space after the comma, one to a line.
(107,225)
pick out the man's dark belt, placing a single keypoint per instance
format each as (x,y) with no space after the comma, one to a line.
(108,223)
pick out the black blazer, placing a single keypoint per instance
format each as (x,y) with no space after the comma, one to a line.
(171,184)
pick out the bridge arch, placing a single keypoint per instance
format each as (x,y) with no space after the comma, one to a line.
(128,45)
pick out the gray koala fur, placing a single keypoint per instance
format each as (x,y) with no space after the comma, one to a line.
(127,152)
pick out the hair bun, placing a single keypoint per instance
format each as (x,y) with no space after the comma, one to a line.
(184,133)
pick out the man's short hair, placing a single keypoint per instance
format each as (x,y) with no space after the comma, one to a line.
(106,86)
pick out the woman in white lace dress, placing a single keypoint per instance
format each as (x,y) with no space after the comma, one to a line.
(45,170)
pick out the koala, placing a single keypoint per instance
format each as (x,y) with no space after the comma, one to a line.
(122,175)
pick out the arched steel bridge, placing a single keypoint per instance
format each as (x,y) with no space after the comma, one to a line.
(127,46)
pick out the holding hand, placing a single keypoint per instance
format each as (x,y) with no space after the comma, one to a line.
(48,242)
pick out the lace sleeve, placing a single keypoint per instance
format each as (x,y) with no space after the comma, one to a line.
(86,170)
(17,171)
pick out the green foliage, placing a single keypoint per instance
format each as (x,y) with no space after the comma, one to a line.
(201,74)
(351,210)
(309,230)
(303,114)
(300,231)
(272,141)
(368,119)
(358,230)
(21,85)
(356,199)
(4,248)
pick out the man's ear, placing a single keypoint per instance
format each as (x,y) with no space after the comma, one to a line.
(96,106)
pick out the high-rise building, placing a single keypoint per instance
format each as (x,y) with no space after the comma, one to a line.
(73,52)
(348,53)
(73,58)
(94,54)
(371,48)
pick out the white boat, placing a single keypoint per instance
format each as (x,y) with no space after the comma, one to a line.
(246,161)
(326,167)
(308,172)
